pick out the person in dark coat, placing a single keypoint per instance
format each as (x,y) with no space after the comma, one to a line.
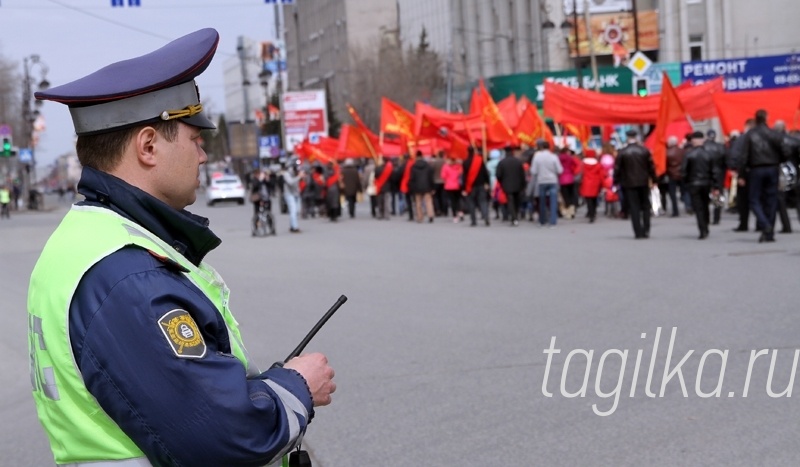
(511,176)
(700,174)
(352,185)
(421,187)
(718,155)
(635,172)
(736,148)
(475,185)
(675,155)
(333,185)
(762,151)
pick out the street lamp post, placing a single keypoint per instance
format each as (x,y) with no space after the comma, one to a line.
(566,26)
(30,113)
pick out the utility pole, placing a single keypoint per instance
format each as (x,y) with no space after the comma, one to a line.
(578,71)
(449,104)
(587,20)
(241,48)
(282,65)
(636,25)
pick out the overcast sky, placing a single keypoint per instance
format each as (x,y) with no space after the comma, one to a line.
(77,37)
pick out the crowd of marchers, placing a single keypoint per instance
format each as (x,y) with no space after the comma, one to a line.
(751,171)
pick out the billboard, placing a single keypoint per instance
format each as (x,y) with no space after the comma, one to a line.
(746,74)
(613,34)
(273,56)
(243,139)
(609,80)
(304,115)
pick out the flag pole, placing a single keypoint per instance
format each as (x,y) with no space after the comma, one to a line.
(483,134)
(369,146)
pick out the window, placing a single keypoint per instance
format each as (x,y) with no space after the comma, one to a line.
(695,47)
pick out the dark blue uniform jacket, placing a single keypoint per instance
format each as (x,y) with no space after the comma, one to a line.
(179,411)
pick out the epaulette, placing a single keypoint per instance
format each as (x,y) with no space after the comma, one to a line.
(170,263)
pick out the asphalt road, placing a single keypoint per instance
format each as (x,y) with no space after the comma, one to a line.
(439,352)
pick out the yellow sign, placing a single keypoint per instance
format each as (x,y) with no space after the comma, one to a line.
(639,64)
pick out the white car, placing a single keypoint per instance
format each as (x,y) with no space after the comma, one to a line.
(225,188)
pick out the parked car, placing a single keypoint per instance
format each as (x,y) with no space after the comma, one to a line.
(225,188)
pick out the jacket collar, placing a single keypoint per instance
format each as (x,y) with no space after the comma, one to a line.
(189,234)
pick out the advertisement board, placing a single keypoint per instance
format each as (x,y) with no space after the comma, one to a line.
(613,34)
(609,80)
(746,74)
(304,115)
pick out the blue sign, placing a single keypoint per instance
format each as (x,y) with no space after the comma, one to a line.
(25,155)
(746,74)
(269,141)
(274,66)
(285,2)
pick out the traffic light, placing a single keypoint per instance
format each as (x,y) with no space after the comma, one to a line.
(642,87)
(6,147)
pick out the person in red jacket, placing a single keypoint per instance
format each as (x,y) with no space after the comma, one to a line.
(592,181)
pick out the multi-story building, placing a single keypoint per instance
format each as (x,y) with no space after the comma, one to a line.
(719,29)
(494,38)
(322,35)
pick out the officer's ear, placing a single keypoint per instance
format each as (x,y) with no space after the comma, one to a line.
(146,147)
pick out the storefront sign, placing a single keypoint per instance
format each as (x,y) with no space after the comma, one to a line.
(609,80)
(746,74)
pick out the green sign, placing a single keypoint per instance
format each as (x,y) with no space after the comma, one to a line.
(611,80)
(655,75)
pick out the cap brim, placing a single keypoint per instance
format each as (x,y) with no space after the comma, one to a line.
(200,121)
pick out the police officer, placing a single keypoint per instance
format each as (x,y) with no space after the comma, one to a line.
(136,357)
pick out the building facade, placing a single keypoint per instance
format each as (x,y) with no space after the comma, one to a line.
(321,35)
(485,39)
(719,29)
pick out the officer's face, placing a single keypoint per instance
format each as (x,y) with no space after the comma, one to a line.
(182,160)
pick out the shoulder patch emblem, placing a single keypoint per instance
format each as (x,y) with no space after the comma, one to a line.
(182,334)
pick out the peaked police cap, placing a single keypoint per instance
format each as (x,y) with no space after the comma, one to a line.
(156,86)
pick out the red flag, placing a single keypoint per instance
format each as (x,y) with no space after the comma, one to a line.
(670,109)
(497,131)
(531,127)
(522,105)
(425,128)
(353,142)
(396,120)
(373,138)
(458,146)
(607,131)
(508,110)
(581,132)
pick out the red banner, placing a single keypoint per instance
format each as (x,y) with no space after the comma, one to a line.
(565,104)
(736,107)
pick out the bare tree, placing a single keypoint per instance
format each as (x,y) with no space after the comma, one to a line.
(386,70)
